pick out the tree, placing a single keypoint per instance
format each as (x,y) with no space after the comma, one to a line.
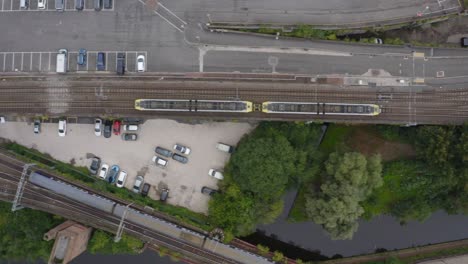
(349,179)
(277,256)
(233,211)
(262,166)
(435,144)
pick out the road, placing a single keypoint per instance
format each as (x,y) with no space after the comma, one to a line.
(113,96)
(38,198)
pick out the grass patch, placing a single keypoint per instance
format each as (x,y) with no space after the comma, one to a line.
(81,174)
(297,212)
(335,137)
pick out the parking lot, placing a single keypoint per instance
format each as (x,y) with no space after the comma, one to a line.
(14,6)
(183,180)
(46,61)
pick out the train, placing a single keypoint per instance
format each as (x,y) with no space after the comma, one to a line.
(159,225)
(303,108)
(178,105)
(270,107)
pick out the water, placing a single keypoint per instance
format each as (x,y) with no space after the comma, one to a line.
(380,232)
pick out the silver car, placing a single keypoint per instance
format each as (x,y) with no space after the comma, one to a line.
(138,183)
(97,127)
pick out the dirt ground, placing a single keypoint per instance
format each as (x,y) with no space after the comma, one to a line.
(369,143)
(446,32)
(183,180)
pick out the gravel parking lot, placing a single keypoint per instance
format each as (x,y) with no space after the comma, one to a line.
(183,180)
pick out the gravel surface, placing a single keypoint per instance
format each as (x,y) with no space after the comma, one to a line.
(183,180)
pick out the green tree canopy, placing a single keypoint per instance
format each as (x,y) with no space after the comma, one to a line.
(349,179)
(262,166)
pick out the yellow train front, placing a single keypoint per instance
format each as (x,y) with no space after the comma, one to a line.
(312,108)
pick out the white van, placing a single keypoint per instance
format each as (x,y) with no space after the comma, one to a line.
(130,127)
(62,64)
(225,147)
(159,161)
(59,5)
(24,4)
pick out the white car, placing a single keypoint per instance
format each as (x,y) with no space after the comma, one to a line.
(97,127)
(62,128)
(103,171)
(216,174)
(182,149)
(141,65)
(159,161)
(41,4)
(121,179)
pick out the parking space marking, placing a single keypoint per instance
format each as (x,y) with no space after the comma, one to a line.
(4,60)
(50,54)
(11,6)
(30,61)
(22,58)
(13,63)
(40,61)
(107,61)
(3,3)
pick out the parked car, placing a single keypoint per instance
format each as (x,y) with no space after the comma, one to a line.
(113,173)
(41,4)
(107,129)
(121,179)
(182,149)
(37,126)
(225,147)
(208,191)
(2,120)
(82,57)
(95,164)
(101,61)
(163,152)
(97,5)
(164,194)
(79,5)
(103,171)
(107,4)
(130,127)
(120,60)
(116,127)
(98,127)
(180,158)
(216,174)
(141,64)
(129,136)
(62,128)
(464,42)
(378,41)
(159,161)
(137,185)
(145,189)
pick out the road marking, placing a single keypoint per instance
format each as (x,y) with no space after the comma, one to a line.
(168,21)
(22,58)
(13,63)
(4,60)
(3,3)
(170,12)
(50,54)
(30,61)
(40,61)
(126,57)
(201,55)
(106,62)
(68,63)
(11,6)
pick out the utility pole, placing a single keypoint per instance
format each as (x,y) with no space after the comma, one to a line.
(118,235)
(19,191)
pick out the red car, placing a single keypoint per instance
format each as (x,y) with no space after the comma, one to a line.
(116,127)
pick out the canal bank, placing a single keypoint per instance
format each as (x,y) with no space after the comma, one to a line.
(380,233)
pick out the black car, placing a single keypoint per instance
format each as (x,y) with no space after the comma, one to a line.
(208,190)
(95,164)
(120,63)
(180,158)
(107,129)
(145,189)
(163,152)
(107,4)
(129,136)
(164,195)
(79,4)
(101,61)
(464,42)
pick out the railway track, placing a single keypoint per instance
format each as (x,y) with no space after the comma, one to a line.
(42,199)
(89,97)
